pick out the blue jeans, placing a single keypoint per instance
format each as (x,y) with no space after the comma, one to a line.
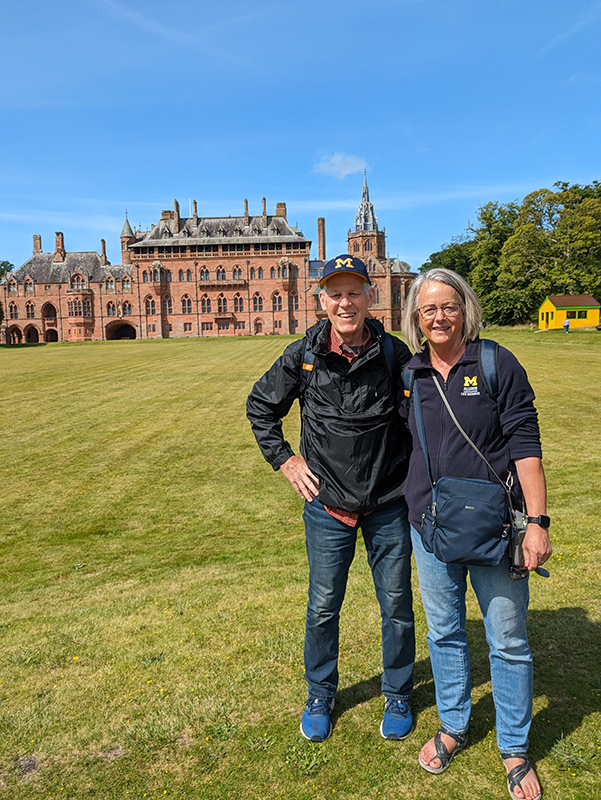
(331,548)
(504,606)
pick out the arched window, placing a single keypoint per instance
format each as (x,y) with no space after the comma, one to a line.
(238,304)
(180,275)
(220,274)
(189,275)
(87,308)
(169,276)
(29,311)
(186,305)
(156,276)
(284,272)
(293,302)
(77,282)
(257,302)
(221,304)
(127,309)
(260,275)
(205,304)
(110,285)
(237,274)
(204,274)
(111,310)
(296,272)
(150,307)
(277,301)
(12,288)
(272,272)
(252,273)
(144,277)
(167,305)
(376,295)
(13,311)
(126,284)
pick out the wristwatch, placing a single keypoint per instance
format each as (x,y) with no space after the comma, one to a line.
(542,520)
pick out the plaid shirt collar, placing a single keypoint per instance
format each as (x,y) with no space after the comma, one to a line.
(337,345)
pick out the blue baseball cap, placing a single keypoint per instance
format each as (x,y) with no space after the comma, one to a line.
(344,263)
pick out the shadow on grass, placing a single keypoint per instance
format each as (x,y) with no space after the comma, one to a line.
(567,673)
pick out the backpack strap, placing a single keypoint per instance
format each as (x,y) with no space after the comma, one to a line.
(307,367)
(488,361)
(388,351)
(308,362)
(408,378)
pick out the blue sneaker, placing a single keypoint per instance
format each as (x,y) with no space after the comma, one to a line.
(315,723)
(398,719)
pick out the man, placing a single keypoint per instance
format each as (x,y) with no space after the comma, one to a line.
(350,473)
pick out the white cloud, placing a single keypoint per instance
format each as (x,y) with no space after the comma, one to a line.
(339,165)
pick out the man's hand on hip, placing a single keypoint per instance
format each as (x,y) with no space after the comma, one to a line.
(305,483)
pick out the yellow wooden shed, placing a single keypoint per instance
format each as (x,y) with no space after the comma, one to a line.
(581,309)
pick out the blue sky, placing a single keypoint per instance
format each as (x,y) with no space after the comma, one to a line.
(110,105)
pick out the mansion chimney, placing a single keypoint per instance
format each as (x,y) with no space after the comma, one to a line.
(175,216)
(37,243)
(264,213)
(280,210)
(321,239)
(195,213)
(59,247)
(103,259)
(246,217)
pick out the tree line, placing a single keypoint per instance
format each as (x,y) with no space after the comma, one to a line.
(517,254)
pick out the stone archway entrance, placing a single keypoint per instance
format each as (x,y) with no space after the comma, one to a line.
(258,326)
(15,335)
(120,330)
(32,335)
(51,336)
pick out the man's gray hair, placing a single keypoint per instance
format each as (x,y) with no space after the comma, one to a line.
(472,311)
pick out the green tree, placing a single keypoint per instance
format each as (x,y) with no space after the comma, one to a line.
(456,256)
(496,226)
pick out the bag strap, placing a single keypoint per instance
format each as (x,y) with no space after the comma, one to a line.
(419,424)
(506,484)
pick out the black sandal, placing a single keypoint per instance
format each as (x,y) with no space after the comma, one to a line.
(515,777)
(442,753)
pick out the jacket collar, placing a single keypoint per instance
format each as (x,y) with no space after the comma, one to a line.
(319,335)
(422,360)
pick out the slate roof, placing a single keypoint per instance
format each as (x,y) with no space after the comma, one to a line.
(219,230)
(573,301)
(43,269)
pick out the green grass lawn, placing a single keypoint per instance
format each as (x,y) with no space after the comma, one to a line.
(154,582)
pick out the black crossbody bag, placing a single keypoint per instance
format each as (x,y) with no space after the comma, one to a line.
(469,520)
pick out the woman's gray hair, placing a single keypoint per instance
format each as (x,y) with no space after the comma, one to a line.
(472,312)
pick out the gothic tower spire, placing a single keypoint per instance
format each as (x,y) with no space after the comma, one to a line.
(366,219)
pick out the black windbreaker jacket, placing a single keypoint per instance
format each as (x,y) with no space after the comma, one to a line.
(352,437)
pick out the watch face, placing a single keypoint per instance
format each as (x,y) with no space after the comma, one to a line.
(543,520)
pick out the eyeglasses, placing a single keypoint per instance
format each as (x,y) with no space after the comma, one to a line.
(450,310)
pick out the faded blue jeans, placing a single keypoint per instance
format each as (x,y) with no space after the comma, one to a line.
(504,606)
(331,548)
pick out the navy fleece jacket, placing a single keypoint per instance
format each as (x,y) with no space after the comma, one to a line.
(503,429)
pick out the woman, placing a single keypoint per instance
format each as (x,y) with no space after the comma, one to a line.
(441,324)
